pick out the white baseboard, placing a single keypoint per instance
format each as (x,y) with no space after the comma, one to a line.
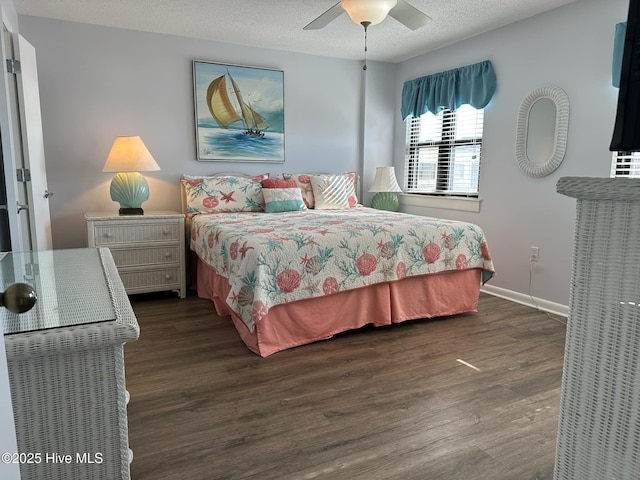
(524,299)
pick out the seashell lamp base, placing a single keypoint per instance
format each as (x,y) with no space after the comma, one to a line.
(385,201)
(129,189)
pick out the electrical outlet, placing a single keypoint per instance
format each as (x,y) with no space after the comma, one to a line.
(535,254)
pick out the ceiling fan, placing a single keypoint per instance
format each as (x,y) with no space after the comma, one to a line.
(372,12)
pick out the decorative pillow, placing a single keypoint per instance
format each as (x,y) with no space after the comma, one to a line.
(332,192)
(222,194)
(283,200)
(352,197)
(304,184)
(277,183)
(255,178)
(303,180)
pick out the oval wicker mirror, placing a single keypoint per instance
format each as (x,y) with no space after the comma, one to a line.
(541,137)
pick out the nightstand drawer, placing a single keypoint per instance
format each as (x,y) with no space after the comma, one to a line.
(147,249)
(148,278)
(133,257)
(106,235)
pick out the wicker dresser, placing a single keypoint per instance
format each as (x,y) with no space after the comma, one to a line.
(599,423)
(66,365)
(148,249)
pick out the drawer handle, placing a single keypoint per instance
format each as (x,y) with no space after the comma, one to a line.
(108,234)
(167,276)
(167,255)
(166,231)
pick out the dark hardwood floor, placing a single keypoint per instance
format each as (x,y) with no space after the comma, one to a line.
(470,397)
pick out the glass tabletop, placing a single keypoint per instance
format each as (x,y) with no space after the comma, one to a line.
(70,284)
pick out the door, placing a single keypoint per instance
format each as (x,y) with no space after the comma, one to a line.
(25,180)
(12,161)
(33,146)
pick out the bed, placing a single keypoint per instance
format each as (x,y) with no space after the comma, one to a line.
(292,277)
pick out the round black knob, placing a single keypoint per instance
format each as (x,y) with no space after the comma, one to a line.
(19,298)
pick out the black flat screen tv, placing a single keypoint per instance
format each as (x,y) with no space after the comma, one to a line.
(626,131)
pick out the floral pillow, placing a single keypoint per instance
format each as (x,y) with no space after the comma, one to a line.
(303,180)
(255,178)
(333,192)
(282,196)
(222,194)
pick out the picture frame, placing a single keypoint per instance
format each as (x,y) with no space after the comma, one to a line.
(239,113)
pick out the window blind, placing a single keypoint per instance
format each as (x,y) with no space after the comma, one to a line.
(625,164)
(443,152)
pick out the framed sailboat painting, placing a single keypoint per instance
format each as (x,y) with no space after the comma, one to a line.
(239,113)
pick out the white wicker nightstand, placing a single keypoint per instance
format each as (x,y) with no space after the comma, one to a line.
(148,249)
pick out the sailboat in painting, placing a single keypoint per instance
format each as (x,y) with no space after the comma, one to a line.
(220,100)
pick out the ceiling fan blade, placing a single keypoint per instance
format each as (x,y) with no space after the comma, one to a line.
(326,18)
(408,15)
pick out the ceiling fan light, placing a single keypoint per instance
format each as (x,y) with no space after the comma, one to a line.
(373,11)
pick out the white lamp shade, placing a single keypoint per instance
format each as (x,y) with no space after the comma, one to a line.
(129,154)
(373,11)
(385,180)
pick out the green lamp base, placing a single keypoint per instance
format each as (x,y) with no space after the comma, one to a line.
(129,189)
(385,201)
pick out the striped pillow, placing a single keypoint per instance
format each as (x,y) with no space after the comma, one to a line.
(333,192)
(303,180)
(286,198)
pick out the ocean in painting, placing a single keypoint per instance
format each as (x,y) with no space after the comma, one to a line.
(217,143)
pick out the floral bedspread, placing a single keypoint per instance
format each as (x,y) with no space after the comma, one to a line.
(275,258)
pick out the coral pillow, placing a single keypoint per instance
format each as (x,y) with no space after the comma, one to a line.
(277,183)
(333,192)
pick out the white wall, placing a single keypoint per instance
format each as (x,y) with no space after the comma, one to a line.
(378,122)
(572,48)
(97,83)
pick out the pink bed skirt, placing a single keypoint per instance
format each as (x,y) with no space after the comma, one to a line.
(307,321)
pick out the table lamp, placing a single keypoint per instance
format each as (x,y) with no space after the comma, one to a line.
(386,185)
(128,157)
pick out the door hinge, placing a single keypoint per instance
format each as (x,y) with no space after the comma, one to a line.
(13,66)
(31,270)
(23,175)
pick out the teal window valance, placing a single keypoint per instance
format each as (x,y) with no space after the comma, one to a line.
(473,84)
(618,50)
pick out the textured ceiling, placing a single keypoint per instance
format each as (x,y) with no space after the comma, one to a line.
(278,24)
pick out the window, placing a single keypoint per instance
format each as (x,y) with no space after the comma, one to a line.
(625,164)
(443,152)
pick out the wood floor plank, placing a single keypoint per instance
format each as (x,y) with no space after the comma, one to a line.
(470,396)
